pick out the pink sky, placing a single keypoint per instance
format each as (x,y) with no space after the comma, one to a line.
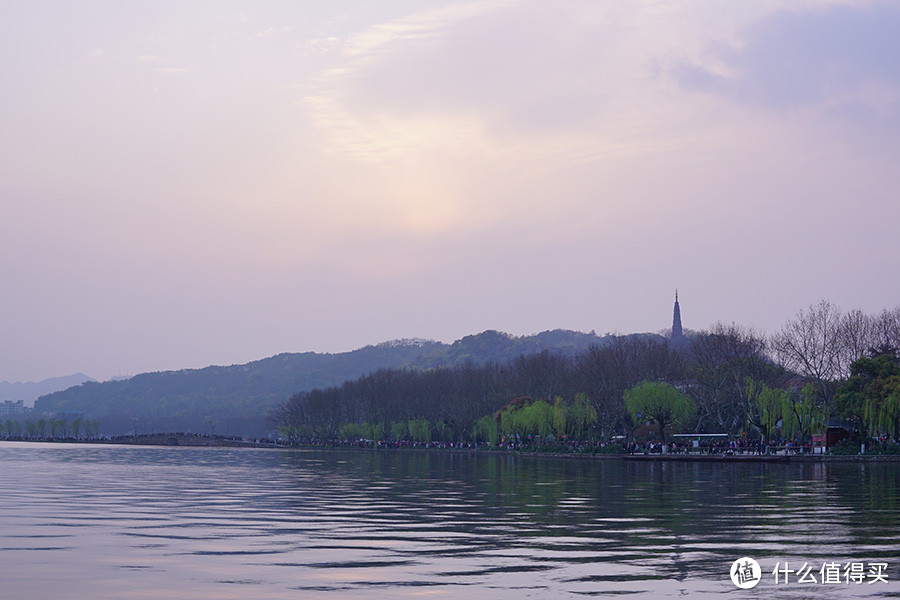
(185,184)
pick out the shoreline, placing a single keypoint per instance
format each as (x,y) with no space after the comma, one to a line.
(210,441)
(188,440)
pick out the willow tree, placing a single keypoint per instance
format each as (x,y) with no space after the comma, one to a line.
(581,416)
(352,432)
(765,408)
(540,415)
(559,417)
(509,420)
(659,402)
(871,397)
(527,418)
(886,418)
(420,430)
(399,430)
(804,414)
(485,430)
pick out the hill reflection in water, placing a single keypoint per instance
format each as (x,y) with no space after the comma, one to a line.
(83,522)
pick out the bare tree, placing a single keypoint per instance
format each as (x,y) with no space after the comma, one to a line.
(811,344)
(721,361)
(857,337)
(886,332)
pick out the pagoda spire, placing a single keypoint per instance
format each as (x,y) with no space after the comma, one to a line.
(676,320)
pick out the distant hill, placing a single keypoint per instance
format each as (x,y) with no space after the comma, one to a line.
(237,399)
(31,391)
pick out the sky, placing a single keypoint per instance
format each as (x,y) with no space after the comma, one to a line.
(213,182)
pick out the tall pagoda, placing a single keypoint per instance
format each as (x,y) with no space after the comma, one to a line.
(676,320)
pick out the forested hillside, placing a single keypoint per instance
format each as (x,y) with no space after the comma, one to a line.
(237,399)
(824,364)
(736,379)
(447,403)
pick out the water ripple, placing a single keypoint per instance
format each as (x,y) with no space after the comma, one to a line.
(201,523)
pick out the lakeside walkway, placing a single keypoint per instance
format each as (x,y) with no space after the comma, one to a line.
(713,457)
(204,440)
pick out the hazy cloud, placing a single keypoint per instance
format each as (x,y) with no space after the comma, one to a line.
(839,58)
(318,176)
(502,79)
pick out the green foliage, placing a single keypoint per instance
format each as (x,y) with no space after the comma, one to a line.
(581,416)
(882,408)
(660,403)
(541,417)
(290,434)
(766,407)
(399,430)
(850,402)
(845,448)
(372,432)
(871,397)
(509,419)
(420,430)
(559,417)
(351,431)
(538,420)
(890,449)
(801,418)
(486,430)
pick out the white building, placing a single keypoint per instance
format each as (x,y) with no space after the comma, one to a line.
(8,407)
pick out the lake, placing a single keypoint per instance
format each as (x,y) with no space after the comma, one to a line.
(127,522)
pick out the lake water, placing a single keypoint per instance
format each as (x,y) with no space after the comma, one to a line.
(115,522)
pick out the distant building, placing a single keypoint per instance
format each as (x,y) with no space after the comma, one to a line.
(8,407)
(677,332)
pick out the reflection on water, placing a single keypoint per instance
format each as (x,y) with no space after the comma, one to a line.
(81,522)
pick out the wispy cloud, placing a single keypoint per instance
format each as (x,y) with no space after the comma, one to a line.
(488,79)
(274,31)
(319,45)
(418,26)
(380,133)
(837,58)
(452,157)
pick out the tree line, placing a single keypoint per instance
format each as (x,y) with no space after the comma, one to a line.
(735,381)
(50,427)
